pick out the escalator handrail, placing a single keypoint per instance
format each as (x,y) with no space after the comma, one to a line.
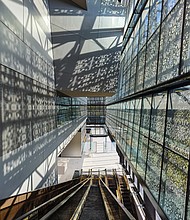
(124,209)
(50,200)
(47,215)
(138,204)
(109,212)
(81,204)
(118,185)
(30,193)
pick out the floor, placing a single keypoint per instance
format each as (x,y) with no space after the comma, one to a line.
(98,154)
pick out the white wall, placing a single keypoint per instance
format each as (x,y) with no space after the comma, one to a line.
(74,147)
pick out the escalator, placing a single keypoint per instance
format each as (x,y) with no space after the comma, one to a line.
(87,197)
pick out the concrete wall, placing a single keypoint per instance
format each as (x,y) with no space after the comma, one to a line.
(86,45)
(25,35)
(29,138)
(27,76)
(34,165)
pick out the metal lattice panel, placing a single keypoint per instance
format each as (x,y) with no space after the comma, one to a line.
(158,117)
(153,169)
(178,121)
(173,185)
(154,16)
(170,44)
(142,155)
(140,69)
(151,60)
(186,41)
(145,116)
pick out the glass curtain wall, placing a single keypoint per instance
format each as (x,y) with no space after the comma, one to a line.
(96,110)
(153,132)
(70,109)
(156,45)
(150,114)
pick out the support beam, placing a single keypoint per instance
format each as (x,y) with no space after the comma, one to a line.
(81,3)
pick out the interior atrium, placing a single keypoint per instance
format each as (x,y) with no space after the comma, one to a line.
(77,72)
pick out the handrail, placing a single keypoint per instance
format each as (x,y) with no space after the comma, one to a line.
(107,208)
(28,195)
(138,204)
(124,209)
(62,202)
(51,200)
(119,194)
(126,180)
(106,178)
(78,210)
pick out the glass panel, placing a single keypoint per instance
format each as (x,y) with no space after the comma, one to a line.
(96,109)
(158,117)
(129,52)
(129,141)
(136,39)
(168,6)
(126,113)
(152,60)
(125,128)
(170,44)
(140,69)
(127,81)
(178,121)
(142,155)
(188,209)
(137,114)
(133,75)
(154,16)
(144,26)
(186,41)
(134,148)
(154,168)
(173,185)
(145,116)
(131,113)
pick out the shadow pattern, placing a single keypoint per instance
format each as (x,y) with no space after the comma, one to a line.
(86,45)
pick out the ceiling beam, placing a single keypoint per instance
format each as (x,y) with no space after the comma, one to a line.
(81,3)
